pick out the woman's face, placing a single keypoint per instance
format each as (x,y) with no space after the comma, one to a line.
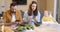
(33,7)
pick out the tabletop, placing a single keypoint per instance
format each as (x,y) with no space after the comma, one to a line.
(48,28)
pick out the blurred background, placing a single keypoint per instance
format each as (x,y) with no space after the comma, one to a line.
(50,5)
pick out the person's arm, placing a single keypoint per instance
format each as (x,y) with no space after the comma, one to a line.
(18,14)
(37,18)
(5,19)
(30,18)
(54,20)
(25,17)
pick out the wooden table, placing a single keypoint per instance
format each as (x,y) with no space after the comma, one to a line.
(48,28)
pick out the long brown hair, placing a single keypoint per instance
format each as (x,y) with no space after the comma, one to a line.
(30,9)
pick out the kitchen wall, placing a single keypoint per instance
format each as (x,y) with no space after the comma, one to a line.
(50,5)
(42,5)
(4,5)
(25,7)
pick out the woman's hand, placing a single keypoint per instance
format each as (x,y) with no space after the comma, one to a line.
(30,18)
(35,19)
(25,20)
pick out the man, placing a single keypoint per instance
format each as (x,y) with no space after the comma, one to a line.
(11,17)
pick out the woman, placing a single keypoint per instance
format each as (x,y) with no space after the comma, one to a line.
(32,15)
(47,17)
